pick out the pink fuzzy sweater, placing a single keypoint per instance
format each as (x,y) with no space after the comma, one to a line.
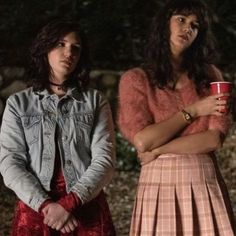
(141,104)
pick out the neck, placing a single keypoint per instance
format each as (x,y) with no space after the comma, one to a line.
(176,62)
(178,70)
(56,78)
(57,88)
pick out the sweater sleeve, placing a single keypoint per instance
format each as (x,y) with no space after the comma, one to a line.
(70,202)
(221,123)
(134,113)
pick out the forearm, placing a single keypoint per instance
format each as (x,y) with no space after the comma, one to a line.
(158,134)
(102,151)
(93,180)
(203,142)
(24,184)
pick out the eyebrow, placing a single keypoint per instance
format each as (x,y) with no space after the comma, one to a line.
(64,40)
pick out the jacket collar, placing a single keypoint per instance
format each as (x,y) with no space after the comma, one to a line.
(73,93)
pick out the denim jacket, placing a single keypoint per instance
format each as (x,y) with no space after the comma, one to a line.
(85,137)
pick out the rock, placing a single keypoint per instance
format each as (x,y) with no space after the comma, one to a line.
(14,87)
(13,73)
(109,80)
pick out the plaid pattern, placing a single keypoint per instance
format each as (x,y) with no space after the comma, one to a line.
(182,195)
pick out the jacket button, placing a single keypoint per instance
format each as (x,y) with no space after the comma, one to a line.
(69,162)
(64,138)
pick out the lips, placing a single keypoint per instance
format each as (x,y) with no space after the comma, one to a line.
(68,63)
(184,37)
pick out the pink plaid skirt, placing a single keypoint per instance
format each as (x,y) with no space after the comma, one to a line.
(182,195)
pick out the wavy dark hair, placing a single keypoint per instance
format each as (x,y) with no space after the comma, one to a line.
(39,69)
(196,58)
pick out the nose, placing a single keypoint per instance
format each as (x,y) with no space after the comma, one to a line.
(68,52)
(188,29)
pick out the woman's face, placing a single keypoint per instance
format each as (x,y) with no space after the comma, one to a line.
(183,31)
(65,56)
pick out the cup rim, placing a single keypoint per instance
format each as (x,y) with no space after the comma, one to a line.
(221,82)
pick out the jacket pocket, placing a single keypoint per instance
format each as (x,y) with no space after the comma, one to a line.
(31,125)
(83,126)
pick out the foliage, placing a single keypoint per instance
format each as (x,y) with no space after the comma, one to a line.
(126,154)
(116,29)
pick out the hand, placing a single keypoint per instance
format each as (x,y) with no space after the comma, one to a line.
(70,225)
(210,105)
(146,157)
(55,216)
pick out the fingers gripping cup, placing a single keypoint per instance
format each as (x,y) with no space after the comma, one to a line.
(221,87)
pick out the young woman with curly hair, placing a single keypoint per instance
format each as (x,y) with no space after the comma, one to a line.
(57,141)
(167,112)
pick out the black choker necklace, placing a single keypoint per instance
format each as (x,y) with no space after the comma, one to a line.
(58,85)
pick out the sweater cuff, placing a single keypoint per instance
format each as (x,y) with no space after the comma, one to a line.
(70,202)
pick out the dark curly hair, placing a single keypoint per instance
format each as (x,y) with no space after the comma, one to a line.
(196,58)
(39,69)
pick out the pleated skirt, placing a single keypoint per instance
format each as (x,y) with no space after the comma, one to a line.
(182,195)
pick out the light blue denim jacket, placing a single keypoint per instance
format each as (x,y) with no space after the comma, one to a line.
(85,137)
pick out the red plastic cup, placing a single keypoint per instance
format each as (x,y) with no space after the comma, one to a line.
(221,87)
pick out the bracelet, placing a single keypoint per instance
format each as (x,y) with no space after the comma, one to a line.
(187,117)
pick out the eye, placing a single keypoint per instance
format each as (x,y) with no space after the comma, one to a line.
(195,26)
(61,44)
(180,19)
(76,47)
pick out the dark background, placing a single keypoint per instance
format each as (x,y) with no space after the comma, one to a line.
(116,28)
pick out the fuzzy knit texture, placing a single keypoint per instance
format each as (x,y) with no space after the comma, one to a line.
(142,104)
